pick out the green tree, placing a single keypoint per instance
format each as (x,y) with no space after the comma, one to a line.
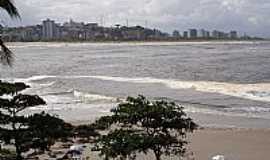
(6,56)
(85,132)
(37,131)
(140,125)
(46,130)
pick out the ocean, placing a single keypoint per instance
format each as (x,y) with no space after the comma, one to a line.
(219,83)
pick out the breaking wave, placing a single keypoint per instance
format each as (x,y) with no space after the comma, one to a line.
(93,98)
(257,91)
(60,45)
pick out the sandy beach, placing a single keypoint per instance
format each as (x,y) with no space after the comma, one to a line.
(234,144)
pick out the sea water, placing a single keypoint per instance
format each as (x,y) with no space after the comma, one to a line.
(218,83)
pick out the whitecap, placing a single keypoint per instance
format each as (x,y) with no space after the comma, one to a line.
(93,98)
(256,91)
(245,91)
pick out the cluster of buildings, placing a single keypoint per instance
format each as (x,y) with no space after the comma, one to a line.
(49,30)
(204,34)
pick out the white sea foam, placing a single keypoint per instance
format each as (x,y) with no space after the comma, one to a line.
(249,109)
(30,79)
(257,91)
(60,45)
(73,98)
(37,78)
(37,45)
(92,98)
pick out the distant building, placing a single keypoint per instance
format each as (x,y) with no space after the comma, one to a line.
(176,34)
(73,24)
(207,34)
(48,29)
(91,25)
(202,33)
(233,35)
(80,31)
(215,34)
(185,34)
(220,35)
(132,33)
(193,33)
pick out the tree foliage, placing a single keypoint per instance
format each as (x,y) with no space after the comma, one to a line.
(6,56)
(140,125)
(85,132)
(38,131)
(9,7)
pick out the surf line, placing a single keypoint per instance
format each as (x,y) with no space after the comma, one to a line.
(257,91)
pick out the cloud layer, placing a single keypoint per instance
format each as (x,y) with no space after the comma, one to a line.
(251,16)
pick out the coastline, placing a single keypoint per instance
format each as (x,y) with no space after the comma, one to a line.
(148,41)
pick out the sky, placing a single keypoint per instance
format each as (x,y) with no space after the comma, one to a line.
(250,16)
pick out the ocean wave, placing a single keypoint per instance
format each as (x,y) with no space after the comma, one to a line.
(37,45)
(37,78)
(58,93)
(248,112)
(31,79)
(93,98)
(253,109)
(257,91)
(44,45)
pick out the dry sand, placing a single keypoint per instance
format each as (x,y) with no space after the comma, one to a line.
(234,144)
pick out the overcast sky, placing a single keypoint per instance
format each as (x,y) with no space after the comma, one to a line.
(251,16)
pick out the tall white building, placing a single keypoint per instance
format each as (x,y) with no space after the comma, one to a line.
(203,33)
(48,29)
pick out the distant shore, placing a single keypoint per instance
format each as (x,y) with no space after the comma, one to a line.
(146,41)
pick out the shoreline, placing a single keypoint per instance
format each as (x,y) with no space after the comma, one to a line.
(149,41)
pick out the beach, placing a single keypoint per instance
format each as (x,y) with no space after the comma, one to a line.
(232,141)
(234,144)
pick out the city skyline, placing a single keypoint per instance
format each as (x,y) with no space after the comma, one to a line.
(176,14)
(127,24)
(51,30)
